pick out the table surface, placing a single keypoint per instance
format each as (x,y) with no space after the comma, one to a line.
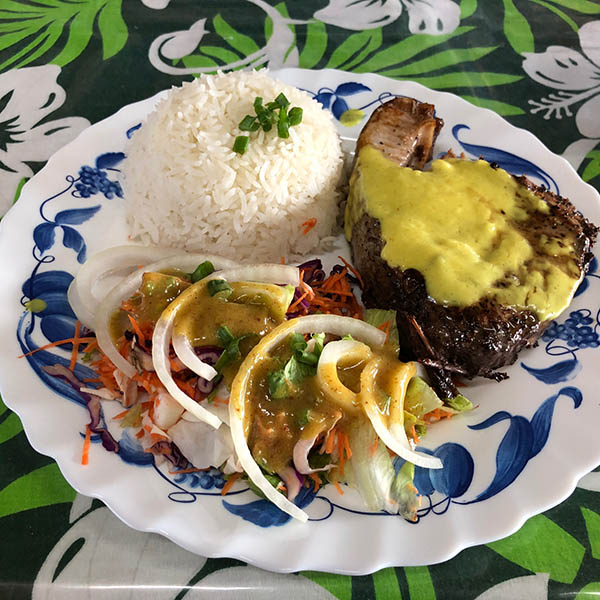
(535,62)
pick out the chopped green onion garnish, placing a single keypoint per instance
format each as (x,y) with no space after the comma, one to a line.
(202,270)
(265,118)
(278,387)
(275,112)
(303,418)
(219,287)
(247,123)
(295,116)
(282,101)
(241,144)
(224,334)
(283,128)
(231,351)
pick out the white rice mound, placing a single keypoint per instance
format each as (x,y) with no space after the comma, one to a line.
(185,187)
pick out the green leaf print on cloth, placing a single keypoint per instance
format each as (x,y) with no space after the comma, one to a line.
(502,108)
(31,30)
(314,46)
(592,524)
(355,49)
(516,29)
(591,591)
(528,548)
(592,169)
(42,487)
(10,424)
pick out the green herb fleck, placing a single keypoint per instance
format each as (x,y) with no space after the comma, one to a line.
(231,347)
(282,101)
(202,270)
(295,116)
(304,417)
(241,144)
(278,387)
(219,288)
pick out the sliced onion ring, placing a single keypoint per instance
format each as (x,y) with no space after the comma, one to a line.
(332,324)
(327,372)
(126,289)
(118,259)
(394,438)
(163,331)
(185,352)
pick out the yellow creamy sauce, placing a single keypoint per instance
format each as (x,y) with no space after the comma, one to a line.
(473,232)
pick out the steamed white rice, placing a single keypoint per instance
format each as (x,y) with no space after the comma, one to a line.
(186,188)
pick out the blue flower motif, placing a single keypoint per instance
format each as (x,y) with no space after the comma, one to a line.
(57,319)
(576,331)
(94,180)
(44,235)
(206,480)
(335,98)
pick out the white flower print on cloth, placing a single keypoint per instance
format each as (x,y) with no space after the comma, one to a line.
(435,17)
(27,97)
(576,76)
(278,52)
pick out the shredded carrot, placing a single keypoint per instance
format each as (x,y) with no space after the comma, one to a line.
(338,487)
(353,271)
(90,347)
(136,328)
(85,454)
(83,340)
(176,365)
(413,434)
(232,479)
(185,471)
(185,386)
(148,380)
(347,446)
(334,295)
(75,350)
(217,400)
(120,415)
(316,479)
(343,450)
(140,434)
(436,415)
(308,225)
(295,305)
(330,441)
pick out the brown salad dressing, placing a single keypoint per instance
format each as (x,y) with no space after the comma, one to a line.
(276,425)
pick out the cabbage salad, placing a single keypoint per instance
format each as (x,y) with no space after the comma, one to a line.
(271,373)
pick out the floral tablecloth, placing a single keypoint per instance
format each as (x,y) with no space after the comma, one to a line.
(65,64)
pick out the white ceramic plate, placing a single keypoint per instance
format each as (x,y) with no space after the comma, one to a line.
(535,434)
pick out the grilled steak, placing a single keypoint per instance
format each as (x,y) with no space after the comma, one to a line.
(472,340)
